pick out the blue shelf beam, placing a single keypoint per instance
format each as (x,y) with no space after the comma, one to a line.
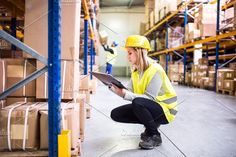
(217,43)
(91,54)
(167,55)
(85,46)
(54,76)
(185,52)
(22,46)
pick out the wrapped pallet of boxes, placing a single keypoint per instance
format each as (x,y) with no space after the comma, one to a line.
(81,100)
(19,127)
(15,70)
(69,121)
(224,74)
(206,20)
(69,81)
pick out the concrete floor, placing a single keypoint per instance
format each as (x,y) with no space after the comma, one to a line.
(205,126)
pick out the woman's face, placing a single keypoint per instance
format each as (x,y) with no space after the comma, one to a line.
(132,56)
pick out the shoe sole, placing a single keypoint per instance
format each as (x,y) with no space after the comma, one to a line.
(149,148)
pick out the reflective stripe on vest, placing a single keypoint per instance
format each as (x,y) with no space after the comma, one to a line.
(168,100)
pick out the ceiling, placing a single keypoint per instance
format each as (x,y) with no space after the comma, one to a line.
(119,3)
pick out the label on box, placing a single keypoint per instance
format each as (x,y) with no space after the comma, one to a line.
(15,71)
(17,131)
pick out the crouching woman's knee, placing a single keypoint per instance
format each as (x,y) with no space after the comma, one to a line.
(115,115)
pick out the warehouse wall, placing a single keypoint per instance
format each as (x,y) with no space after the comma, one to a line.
(119,23)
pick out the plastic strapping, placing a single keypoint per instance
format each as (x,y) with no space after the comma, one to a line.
(9,125)
(63,79)
(25,124)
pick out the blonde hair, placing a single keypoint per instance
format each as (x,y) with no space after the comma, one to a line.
(142,60)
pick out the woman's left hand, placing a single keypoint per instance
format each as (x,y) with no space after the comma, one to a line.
(118,91)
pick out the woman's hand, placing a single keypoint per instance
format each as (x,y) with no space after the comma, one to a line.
(117,90)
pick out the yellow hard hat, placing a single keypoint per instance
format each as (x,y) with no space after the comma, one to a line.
(137,41)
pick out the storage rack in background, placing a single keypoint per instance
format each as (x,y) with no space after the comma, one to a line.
(219,49)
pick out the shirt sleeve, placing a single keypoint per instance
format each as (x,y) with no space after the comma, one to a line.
(151,91)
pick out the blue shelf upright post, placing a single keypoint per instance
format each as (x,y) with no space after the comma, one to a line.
(185,52)
(86,18)
(167,55)
(217,43)
(54,76)
(91,53)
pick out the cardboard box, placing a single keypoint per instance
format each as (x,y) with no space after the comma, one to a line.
(220,84)
(84,82)
(194,34)
(15,70)
(19,131)
(142,28)
(70,115)
(203,61)
(226,74)
(69,81)
(12,100)
(152,19)
(232,66)
(103,37)
(211,74)
(207,30)
(36,28)
(229,85)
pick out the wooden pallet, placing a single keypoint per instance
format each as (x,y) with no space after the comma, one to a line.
(38,153)
(227,92)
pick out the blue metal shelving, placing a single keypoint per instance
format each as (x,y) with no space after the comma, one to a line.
(54,76)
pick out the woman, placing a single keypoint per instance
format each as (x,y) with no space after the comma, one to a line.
(153,98)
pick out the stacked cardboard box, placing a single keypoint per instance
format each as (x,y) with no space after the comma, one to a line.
(199,72)
(149,7)
(70,113)
(142,28)
(225,80)
(36,34)
(25,127)
(191,32)
(13,71)
(176,72)
(229,20)
(19,128)
(206,20)
(69,81)
(163,7)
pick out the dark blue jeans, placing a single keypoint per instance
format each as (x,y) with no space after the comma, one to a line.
(109,68)
(142,111)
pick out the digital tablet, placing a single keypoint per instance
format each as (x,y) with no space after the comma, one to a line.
(108,79)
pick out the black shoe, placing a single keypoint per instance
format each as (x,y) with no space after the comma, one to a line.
(151,142)
(144,136)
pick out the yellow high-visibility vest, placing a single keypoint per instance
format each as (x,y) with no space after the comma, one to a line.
(111,58)
(168,100)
